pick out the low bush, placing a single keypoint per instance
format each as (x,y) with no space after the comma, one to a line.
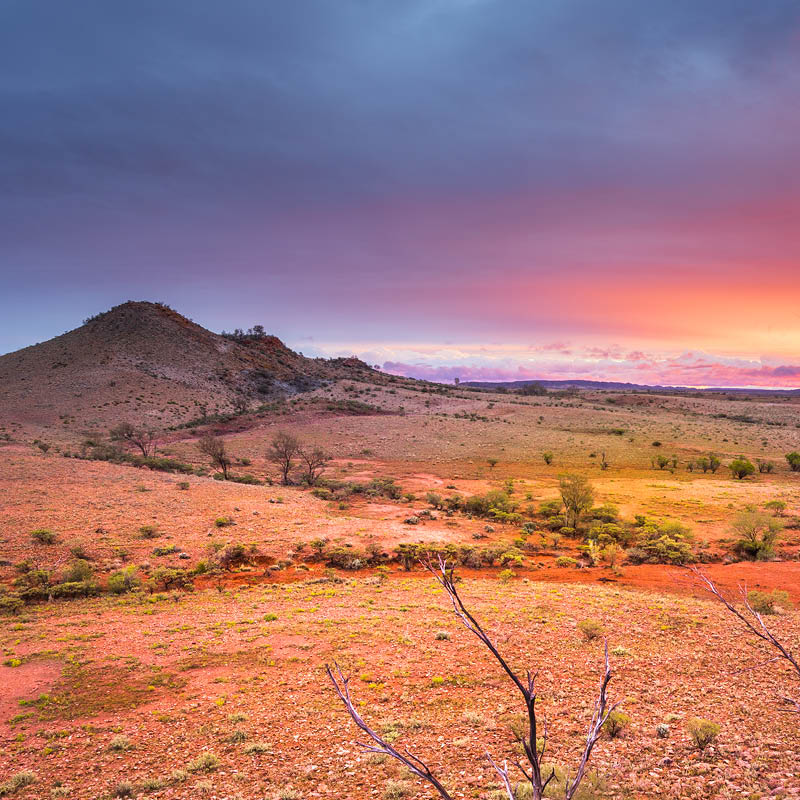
(78,570)
(44,536)
(664,543)
(702,731)
(124,580)
(615,723)
(206,762)
(766,602)
(17,782)
(591,629)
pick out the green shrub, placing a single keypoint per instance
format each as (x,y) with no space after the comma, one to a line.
(124,580)
(765,602)
(223,522)
(10,603)
(776,507)
(148,531)
(78,570)
(72,589)
(741,468)
(44,536)
(167,578)
(167,550)
(615,723)
(758,534)
(702,731)
(566,561)
(663,543)
(794,461)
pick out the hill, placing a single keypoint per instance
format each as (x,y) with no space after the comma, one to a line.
(146,363)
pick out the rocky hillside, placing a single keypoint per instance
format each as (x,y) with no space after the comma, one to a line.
(146,363)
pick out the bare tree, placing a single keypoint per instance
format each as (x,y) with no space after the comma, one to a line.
(315,460)
(536,774)
(214,448)
(754,623)
(282,451)
(143,438)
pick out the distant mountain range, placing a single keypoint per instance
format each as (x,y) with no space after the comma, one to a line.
(617,386)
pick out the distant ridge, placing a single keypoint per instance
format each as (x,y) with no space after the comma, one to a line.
(619,386)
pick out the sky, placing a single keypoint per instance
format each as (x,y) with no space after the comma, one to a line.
(481,189)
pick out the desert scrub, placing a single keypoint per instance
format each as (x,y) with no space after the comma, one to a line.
(702,731)
(223,522)
(591,629)
(765,602)
(254,748)
(119,744)
(17,782)
(442,636)
(124,789)
(124,580)
(43,536)
(566,561)
(149,531)
(396,790)
(205,762)
(615,723)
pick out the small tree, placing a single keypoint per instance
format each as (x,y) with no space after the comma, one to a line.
(282,451)
(548,458)
(578,496)
(214,448)
(741,468)
(143,438)
(794,461)
(534,735)
(714,463)
(315,460)
(758,532)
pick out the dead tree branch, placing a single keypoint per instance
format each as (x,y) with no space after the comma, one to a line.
(416,765)
(754,623)
(537,775)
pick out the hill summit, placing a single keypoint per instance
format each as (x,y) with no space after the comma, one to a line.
(145,362)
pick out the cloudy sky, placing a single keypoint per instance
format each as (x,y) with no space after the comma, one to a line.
(474,188)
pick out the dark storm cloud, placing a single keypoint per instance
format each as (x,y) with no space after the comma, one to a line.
(386,143)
